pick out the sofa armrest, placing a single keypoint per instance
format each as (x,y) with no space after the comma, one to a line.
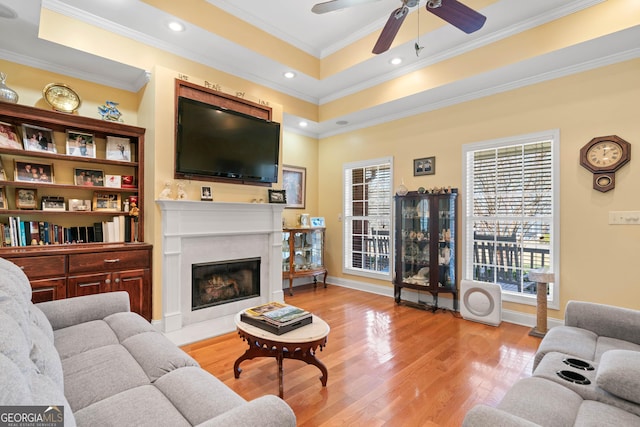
(265,411)
(488,416)
(604,320)
(72,311)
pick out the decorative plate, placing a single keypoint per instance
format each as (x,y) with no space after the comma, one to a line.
(61,97)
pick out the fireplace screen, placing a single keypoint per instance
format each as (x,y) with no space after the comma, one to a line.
(216,283)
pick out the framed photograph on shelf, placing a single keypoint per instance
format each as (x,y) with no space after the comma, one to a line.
(26,198)
(317,221)
(206,193)
(9,136)
(88,177)
(113,181)
(424,166)
(33,172)
(78,205)
(36,138)
(81,144)
(52,203)
(107,202)
(118,148)
(3,174)
(294,181)
(3,200)
(277,196)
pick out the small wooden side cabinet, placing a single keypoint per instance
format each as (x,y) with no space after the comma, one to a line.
(303,254)
(68,271)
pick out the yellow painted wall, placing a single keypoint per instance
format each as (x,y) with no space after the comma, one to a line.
(29,82)
(596,259)
(302,151)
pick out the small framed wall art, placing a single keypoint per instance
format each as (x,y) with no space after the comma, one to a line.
(294,181)
(424,166)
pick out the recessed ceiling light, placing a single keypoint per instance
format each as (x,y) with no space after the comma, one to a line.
(289,74)
(176,26)
(303,124)
(395,61)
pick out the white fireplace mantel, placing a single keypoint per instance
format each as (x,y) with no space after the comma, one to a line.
(195,232)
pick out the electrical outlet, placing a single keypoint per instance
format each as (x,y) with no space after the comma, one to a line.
(339,217)
(624,217)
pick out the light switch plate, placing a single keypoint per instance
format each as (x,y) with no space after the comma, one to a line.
(624,217)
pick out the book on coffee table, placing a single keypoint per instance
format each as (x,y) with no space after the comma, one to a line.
(276,318)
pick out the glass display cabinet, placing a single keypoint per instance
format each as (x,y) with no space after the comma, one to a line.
(303,254)
(425,247)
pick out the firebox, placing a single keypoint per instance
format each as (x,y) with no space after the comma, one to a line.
(215,283)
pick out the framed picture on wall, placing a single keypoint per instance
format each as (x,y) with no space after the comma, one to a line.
(294,181)
(424,166)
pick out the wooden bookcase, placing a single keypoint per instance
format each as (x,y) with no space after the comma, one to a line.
(62,269)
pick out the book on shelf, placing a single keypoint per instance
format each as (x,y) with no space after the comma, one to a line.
(277,318)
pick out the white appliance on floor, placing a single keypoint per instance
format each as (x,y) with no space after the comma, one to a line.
(481,302)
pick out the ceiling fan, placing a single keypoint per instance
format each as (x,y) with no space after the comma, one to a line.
(452,11)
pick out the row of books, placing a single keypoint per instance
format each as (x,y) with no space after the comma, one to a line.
(276,317)
(30,233)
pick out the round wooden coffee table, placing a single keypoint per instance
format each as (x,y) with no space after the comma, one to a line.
(300,344)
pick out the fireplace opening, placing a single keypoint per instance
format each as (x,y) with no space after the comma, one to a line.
(215,283)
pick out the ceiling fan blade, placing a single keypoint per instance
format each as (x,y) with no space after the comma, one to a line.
(330,6)
(390,30)
(457,14)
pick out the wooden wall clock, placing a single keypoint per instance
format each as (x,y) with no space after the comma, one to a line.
(603,156)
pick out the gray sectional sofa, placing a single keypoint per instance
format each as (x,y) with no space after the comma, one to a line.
(586,373)
(103,365)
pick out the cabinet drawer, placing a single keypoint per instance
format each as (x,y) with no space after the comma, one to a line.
(41,266)
(108,261)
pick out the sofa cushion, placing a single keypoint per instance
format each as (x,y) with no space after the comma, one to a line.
(99,373)
(182,384)
(45,392)
(569,340)
(605,344)
(139,406)
(37,318)
(44,356)
(128,324)
(597,414)
(542,402)
(15,388)
(156,354)
(619,374)
(14,344)
(15,282)
(17,311)
(83,337)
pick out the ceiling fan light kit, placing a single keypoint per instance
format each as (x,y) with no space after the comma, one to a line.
(451,11)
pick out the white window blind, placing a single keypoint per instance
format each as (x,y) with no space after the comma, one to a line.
(367,218)
(510,211)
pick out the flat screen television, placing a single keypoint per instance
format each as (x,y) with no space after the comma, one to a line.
(214,142)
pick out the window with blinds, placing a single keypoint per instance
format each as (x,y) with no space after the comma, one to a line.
(510,211)
(367,218)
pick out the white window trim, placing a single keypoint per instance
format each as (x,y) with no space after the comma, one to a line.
(467,265)
(367,273)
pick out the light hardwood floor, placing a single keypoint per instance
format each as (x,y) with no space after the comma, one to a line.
(388,365)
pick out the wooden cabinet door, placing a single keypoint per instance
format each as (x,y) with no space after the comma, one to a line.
(48,289)
(138,284)
(88,284)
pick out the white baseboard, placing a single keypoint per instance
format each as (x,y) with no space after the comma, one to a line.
(444,301)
